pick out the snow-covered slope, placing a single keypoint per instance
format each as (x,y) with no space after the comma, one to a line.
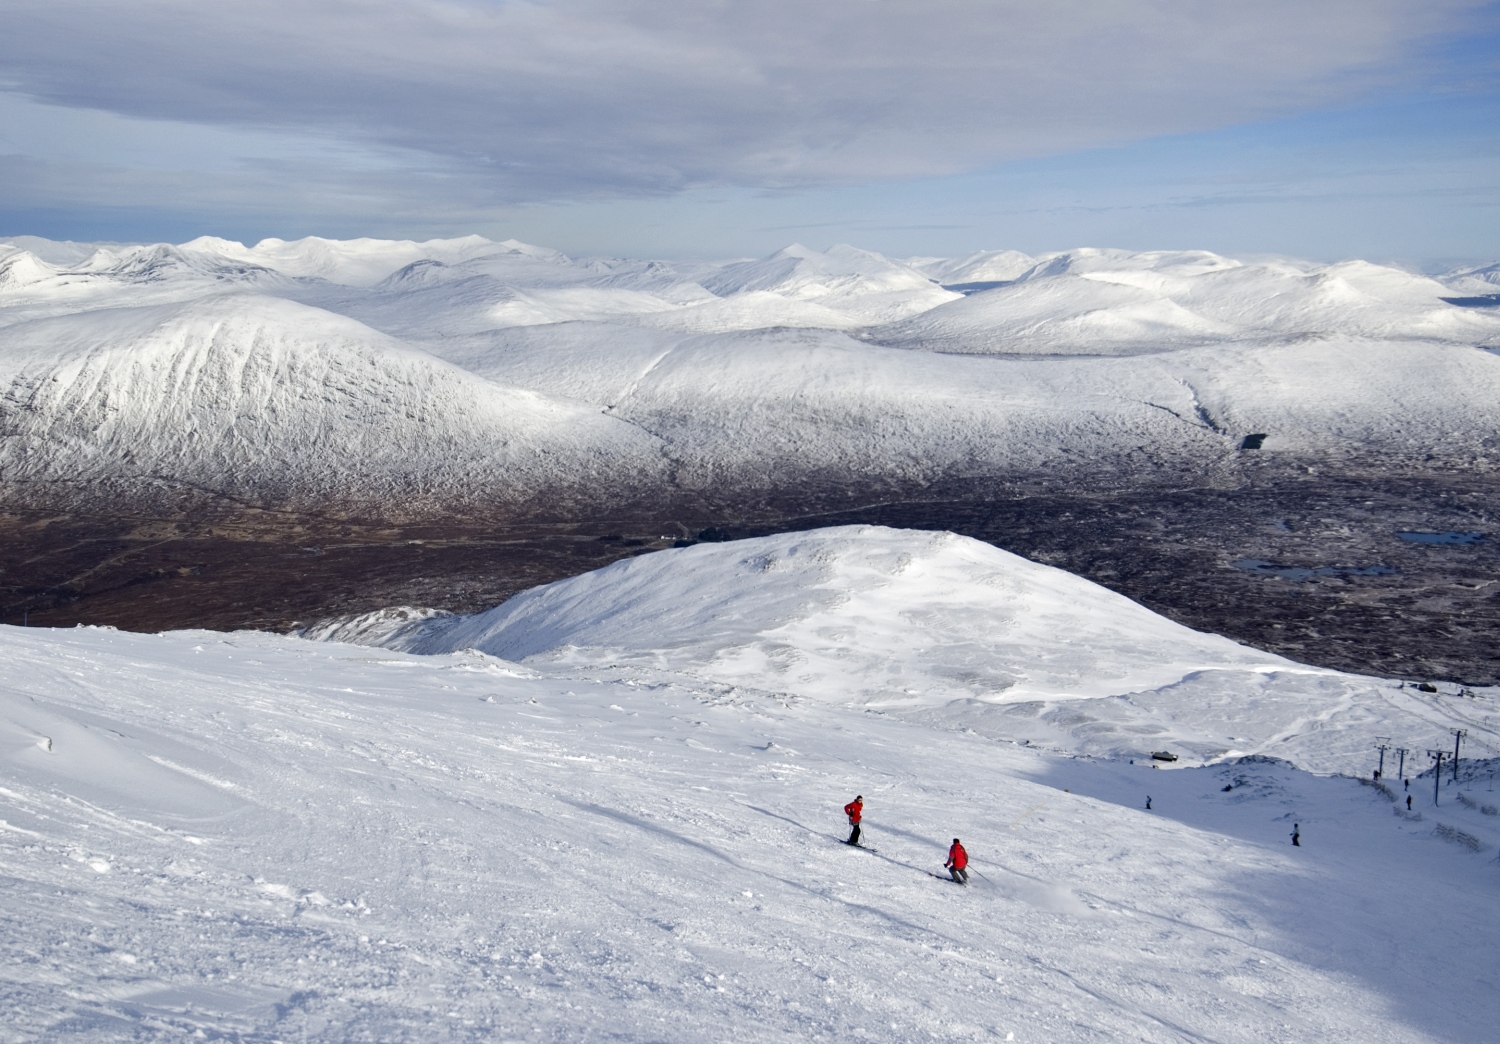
(255,837)
(761,406)
(856,614)
(937,627)
(259,397)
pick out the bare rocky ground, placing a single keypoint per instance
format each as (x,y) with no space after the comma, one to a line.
(1307,564)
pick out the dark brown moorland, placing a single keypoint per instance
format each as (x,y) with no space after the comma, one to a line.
(1311,566)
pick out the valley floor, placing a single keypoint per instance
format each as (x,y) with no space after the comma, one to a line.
(1312,567)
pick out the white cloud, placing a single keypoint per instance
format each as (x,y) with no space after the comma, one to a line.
(573,99)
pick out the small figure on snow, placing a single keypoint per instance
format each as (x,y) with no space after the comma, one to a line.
(1297,834)
(1148,802)
(1406,783)
(855,810)
(958,862)
(1408,802)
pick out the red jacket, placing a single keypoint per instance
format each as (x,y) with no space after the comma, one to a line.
(957,857)
(854,810)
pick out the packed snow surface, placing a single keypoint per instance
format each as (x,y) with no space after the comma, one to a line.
(537,369)
(256,837)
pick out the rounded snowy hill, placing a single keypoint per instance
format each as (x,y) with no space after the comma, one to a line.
(931,626)
(843,277)
(1101,302)
(259,397)
(755,408)
(860,614)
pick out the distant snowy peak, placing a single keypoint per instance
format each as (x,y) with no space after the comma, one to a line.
(1098,302)
(420,274)
(511,246)
(184,270)
(1476,279)
(23,268)
(356,262)
(984,266)
(1067,315)
(1097,260)
(843,277)
(162,263)
(60,253)
(842,268)
(857,614)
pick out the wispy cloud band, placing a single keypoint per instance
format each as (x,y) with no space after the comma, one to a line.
(568,99)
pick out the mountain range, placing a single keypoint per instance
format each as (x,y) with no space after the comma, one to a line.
(471,376)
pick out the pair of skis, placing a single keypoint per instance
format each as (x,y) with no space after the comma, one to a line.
(867,848)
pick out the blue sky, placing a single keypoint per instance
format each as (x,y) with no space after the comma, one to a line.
(1322,128)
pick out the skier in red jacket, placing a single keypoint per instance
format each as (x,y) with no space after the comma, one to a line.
(855,811)
(958,861)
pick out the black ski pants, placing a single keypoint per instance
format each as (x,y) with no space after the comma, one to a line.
(854,834)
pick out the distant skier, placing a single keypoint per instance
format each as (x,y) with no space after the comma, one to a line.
(1408,802)
(958,862)
(1148,802)
(855,810)
(1297,834)
(1406,783)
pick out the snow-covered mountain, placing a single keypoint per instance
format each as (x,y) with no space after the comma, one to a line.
(976,269)
(489,370)
(1108,302)
(1483,280)
(845,278)
(636,833)
(261,398)
(930,626)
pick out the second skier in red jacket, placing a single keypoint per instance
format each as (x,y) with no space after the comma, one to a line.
(958,862)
